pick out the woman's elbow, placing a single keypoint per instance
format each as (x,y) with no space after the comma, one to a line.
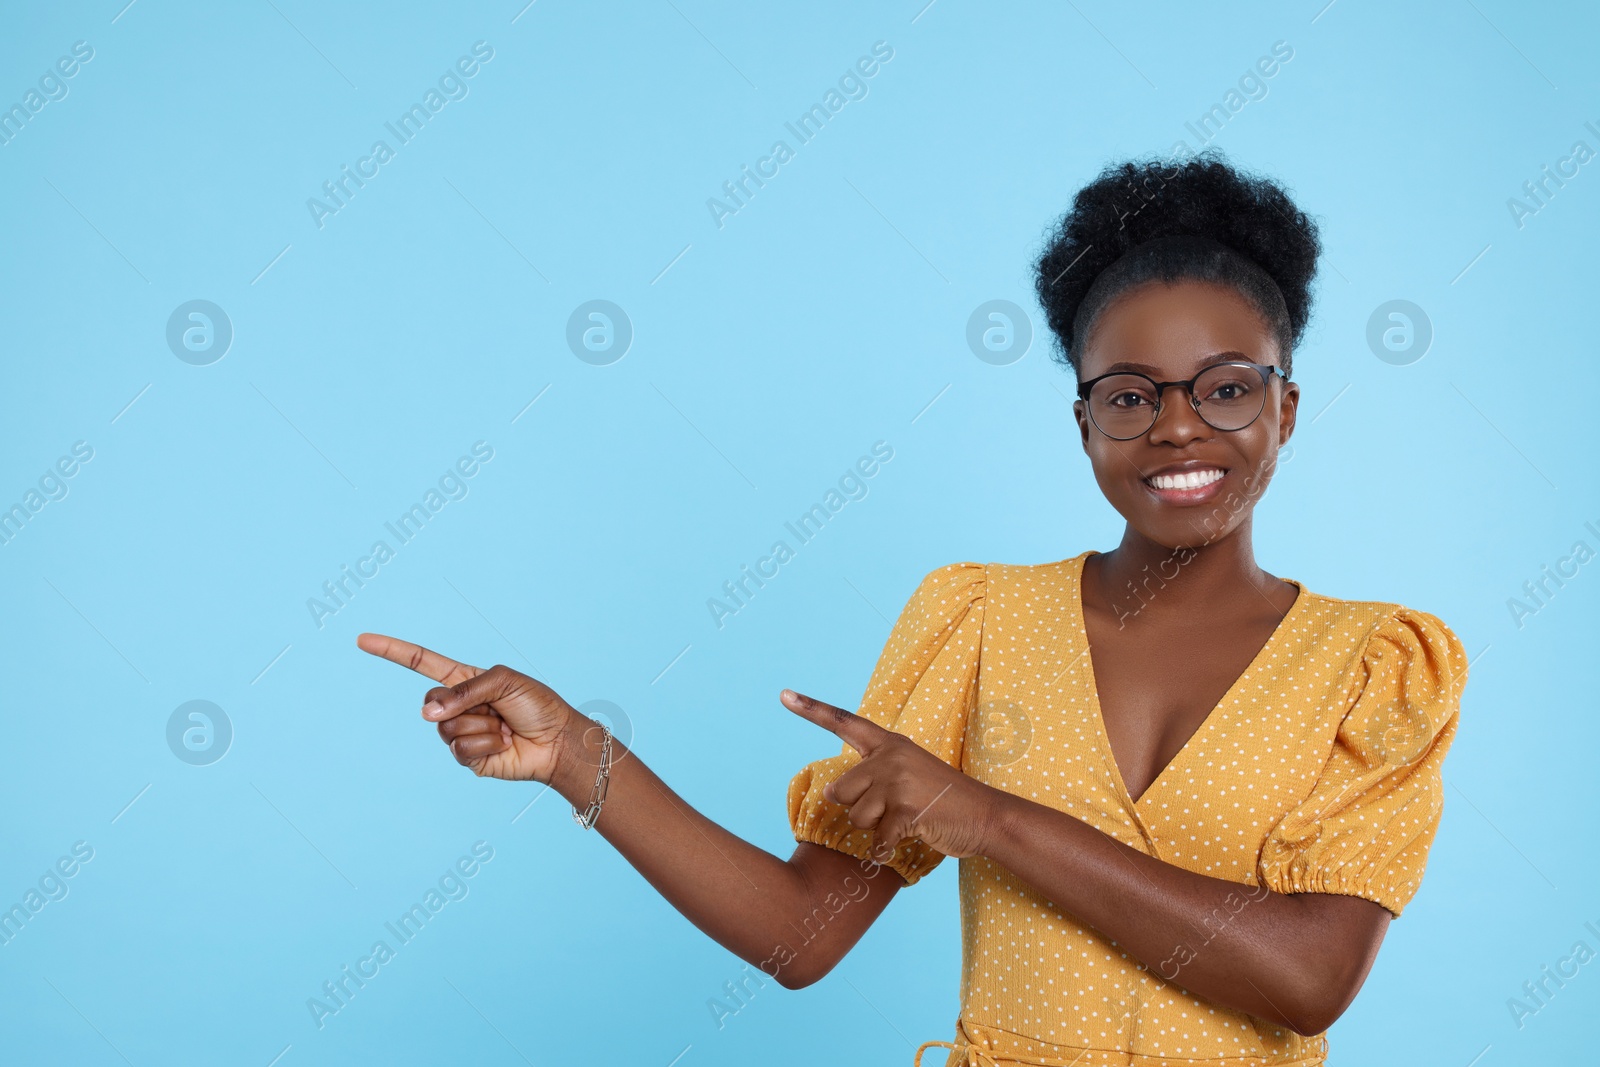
(1317,1011)
(798,978)
(1348,931)
(1304,1017)
(801,970)
(1310,1025)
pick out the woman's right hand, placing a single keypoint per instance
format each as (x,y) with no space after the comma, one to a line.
(498,722)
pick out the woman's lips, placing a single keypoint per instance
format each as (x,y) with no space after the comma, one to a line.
(1185,491)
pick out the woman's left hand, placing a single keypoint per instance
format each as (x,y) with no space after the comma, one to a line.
(900,789)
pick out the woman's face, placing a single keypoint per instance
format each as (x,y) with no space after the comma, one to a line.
(1170,332)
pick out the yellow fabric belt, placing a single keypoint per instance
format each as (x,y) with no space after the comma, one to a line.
(969,1055)
(995,1048)
(966,1054)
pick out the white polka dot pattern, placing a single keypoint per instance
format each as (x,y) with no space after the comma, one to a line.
(1318,771)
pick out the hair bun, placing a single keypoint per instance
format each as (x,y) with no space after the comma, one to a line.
(1136,201)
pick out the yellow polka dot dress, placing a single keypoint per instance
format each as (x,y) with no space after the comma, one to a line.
(1319,771)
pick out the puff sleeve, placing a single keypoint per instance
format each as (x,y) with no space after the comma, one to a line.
(1367,825)
(924,685)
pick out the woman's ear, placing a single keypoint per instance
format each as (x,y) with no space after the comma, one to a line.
(1082,415)
(1287,411)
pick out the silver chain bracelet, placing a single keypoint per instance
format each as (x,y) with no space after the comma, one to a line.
(602,780)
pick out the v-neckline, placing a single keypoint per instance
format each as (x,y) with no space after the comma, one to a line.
(1097,715)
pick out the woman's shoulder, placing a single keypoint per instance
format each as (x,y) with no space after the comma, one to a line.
(1379,618)
(1052,572)
(1409,646)
(976,583)
(951,586)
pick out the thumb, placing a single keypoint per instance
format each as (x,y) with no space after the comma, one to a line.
(886,839)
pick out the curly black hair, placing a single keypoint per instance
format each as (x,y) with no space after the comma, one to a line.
(1203,219)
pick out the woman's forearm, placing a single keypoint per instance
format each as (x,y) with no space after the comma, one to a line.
(743,897)
(1239,946)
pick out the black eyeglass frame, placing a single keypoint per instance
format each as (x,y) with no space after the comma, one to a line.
(1266,370)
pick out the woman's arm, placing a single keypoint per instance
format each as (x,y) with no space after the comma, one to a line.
(793,919)
(1296,959)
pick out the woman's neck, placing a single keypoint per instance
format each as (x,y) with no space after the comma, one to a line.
(1141,576)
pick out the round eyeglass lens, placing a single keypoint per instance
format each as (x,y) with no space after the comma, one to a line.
(1228,396)
(1123,406)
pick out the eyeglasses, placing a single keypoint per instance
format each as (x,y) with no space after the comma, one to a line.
(1228,396)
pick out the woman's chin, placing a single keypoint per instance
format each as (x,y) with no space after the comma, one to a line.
(1181,533)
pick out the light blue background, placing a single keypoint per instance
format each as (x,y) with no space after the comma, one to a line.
(768,355)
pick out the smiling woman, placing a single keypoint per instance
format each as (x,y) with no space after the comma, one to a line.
(1184,838)
(1231,782)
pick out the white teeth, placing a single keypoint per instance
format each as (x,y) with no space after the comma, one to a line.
(1185,479)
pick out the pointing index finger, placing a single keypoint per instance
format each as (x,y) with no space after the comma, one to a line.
(861,734)
(424,661)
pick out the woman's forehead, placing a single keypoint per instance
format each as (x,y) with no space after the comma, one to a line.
(1175,329)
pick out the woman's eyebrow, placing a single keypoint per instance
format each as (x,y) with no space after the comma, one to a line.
(1215,357)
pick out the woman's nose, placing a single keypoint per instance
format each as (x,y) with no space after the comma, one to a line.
(1176,416)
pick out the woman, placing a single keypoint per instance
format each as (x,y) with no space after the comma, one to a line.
(1187,796)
